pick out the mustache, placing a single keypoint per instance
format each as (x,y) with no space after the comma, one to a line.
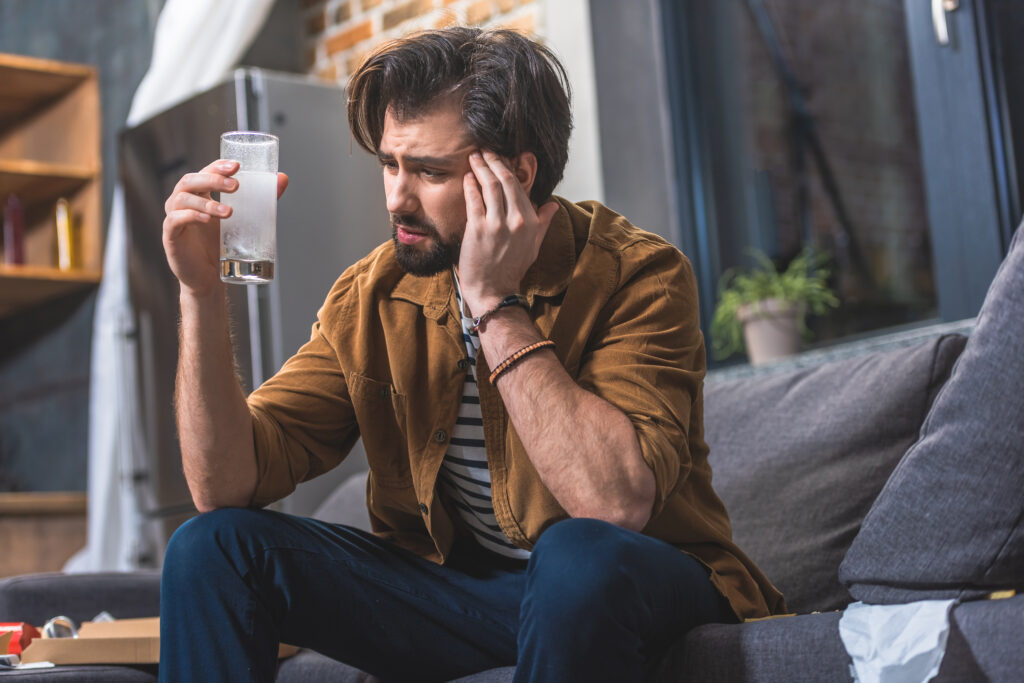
(414,223)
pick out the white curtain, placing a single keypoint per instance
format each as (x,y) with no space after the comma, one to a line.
(196,44)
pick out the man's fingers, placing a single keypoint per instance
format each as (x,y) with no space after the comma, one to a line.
(222,166)
(178,219)
(515,197)
(493,194)
(198,186)
(546,213)
(184,200)
(500,170)
(194,190)
(205,183)
(214,177)
(474,202)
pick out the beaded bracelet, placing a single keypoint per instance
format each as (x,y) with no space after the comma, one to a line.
(518,356)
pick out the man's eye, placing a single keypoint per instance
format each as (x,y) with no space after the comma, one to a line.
(431,173)
(389,164)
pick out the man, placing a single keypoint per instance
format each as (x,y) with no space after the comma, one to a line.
(525,374)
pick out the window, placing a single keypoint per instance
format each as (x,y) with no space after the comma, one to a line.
(849,128)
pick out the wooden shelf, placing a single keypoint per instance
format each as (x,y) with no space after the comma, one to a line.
(37,182)
(49,150)
(25,287)
(43,503)
(30,84)
(40,531)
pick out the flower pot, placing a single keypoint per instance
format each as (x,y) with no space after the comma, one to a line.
(771,329)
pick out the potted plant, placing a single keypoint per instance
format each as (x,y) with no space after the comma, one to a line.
(764,310)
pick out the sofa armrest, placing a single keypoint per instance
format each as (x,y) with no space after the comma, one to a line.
(35,598)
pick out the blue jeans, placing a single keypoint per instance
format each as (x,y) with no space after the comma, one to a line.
(595,602)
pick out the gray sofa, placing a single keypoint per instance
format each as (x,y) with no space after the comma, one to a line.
(885,475)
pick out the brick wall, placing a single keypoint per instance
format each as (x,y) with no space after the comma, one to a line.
(340,33)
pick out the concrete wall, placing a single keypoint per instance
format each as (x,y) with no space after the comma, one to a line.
(44,354)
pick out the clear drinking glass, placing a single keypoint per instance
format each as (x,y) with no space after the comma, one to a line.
(248,239)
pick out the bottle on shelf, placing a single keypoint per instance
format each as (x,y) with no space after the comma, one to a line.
(67,246)
(14,231)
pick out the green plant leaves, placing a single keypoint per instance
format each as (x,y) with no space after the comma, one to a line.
(804,282)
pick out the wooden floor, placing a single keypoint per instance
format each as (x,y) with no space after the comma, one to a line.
(40,531)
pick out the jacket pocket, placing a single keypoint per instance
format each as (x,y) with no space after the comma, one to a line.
(381,415)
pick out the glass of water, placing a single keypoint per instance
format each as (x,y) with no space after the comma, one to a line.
(248,238)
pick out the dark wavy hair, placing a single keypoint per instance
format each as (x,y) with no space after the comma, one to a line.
(513,93)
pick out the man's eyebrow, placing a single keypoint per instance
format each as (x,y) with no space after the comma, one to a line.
(423,160)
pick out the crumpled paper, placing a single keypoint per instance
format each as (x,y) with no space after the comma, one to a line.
(896,643)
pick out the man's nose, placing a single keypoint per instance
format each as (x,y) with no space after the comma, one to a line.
(400,197)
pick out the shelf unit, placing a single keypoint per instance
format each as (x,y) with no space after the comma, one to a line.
(49,149)
(40,531)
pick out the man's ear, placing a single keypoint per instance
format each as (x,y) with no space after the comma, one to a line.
(524,167)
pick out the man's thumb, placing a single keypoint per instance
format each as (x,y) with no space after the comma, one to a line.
(546,213)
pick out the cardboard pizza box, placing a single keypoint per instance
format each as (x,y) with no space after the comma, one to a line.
(122,641)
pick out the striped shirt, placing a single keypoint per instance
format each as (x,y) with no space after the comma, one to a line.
(464,477)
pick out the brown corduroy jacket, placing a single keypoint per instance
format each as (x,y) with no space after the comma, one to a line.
(387,362)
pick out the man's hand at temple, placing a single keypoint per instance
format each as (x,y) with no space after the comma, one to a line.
(504,230)
(584,449)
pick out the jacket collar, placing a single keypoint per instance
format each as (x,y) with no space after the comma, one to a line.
(548,276)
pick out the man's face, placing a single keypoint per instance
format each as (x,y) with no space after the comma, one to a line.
(424,160)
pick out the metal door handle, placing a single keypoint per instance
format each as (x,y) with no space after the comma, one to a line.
(939,10)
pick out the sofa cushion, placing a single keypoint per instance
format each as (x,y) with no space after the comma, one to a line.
(312,667)
(799,457)
(83,673)
(35,598)
(984,642)
(802,649)
(503,675)
(982,646)
(949,522)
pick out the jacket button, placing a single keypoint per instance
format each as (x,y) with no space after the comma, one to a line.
(422,507)
(440,436)
(463,363)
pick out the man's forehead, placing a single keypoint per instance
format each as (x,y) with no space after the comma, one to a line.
(437,131)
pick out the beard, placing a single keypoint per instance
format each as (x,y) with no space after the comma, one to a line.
(441,255)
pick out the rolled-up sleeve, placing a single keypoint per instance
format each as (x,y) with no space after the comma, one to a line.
(647,358)
(303,420)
